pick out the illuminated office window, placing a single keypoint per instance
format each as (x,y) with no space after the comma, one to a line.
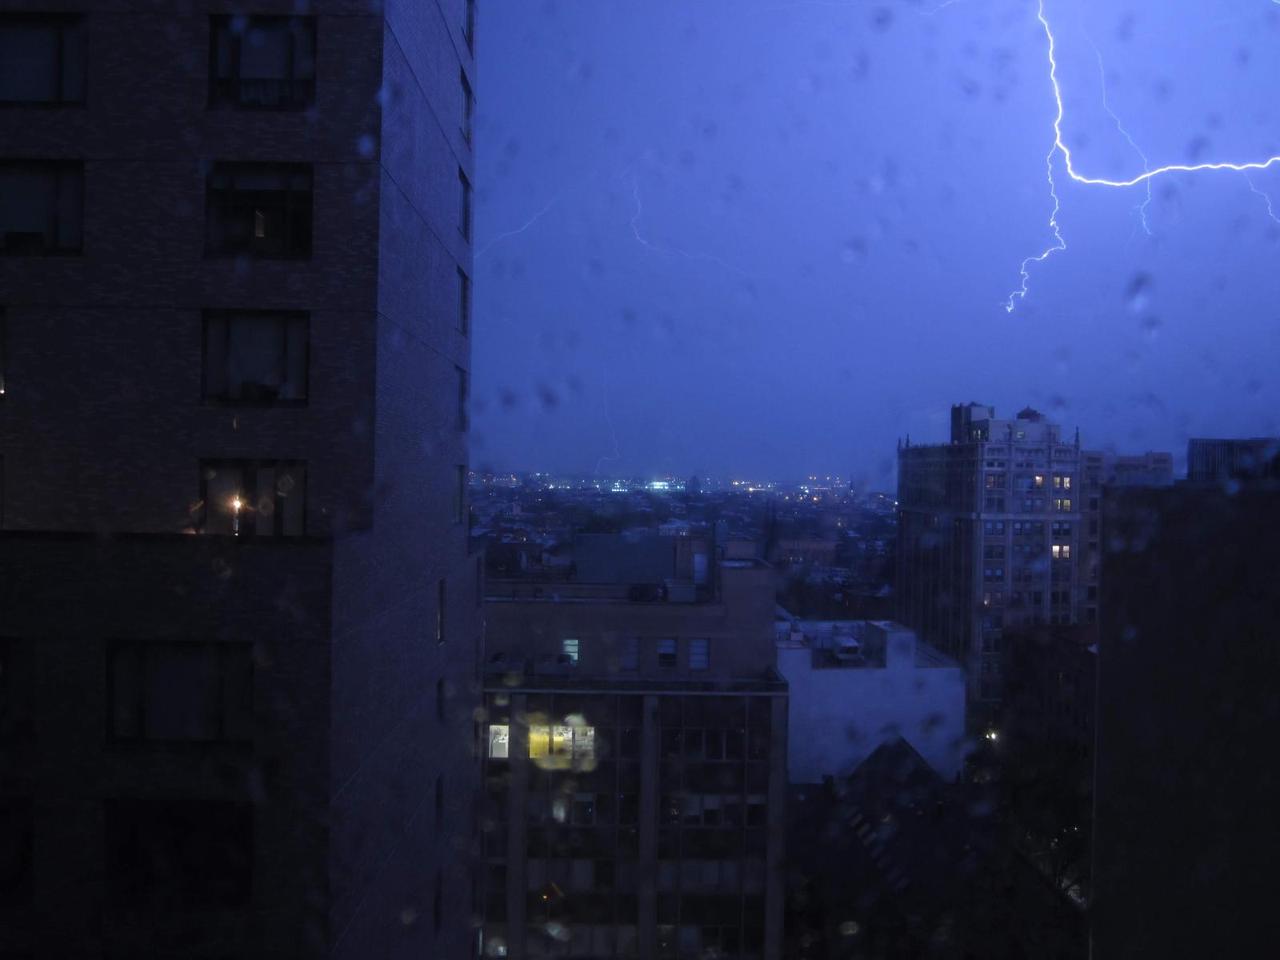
(499,741)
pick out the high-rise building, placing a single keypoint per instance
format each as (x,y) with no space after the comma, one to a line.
(238,625)
(635,763)
(988,536)
(1185,789)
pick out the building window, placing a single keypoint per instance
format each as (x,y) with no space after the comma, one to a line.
(179,853)
(247,498)
(41,58)
(499,741)
(464,211)
(1037,482)
(464,302)
(1062,505)
(699,654)
(1062,551)
(469,25)
(1062,483)
(441,598)
(41,207)
(630,654)
(255,356)
(468,107)
(464,390)
(259,209)
(562,743)
(569,651)
(667,653)
(175,690)
(459,494)
(262,62)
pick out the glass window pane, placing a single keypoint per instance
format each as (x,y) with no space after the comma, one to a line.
(180,698)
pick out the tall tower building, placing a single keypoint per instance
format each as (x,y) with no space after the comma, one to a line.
(238,618)
(989,536)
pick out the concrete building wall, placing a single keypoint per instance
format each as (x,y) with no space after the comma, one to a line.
(839,715)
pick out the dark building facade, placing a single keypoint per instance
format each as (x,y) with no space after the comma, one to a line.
(1214,459)
(238,617)
(635,769)
(1185,843)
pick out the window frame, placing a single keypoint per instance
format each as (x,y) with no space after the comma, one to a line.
(61,20)
(116,645)
(468,109)
(59,169)
(464,302)
(668,659)
(219,99)
(465,204)
(285,317)
(296,211)
(256,464)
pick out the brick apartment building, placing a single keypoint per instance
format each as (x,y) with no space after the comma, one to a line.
(238,620)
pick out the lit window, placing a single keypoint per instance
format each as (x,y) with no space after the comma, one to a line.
(562,743)
(569,651)
(1062,551)
(263,498)
(539,741)
(1063,506)
(1037,481)
(500,741)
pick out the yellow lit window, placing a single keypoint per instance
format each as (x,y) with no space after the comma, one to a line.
(539,741)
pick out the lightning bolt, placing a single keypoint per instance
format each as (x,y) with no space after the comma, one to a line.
(518,230)
(1059,147)
(1146,165)
(1265,196)
(668,249)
